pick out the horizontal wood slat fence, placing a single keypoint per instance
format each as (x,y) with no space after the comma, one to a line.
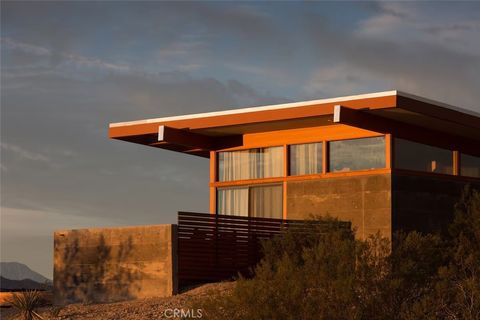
(218,247)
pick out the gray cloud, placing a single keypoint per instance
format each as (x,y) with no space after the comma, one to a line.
(422,67)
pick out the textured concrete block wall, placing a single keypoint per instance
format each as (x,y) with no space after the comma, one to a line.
(114,264)
(363,200)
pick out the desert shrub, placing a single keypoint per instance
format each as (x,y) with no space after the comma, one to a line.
(458,286)
(301,277)
(26,302)
(322,272)
(414,263)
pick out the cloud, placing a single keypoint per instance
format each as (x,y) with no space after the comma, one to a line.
(420,66)
(436,25)
(343,79)
(68,58)
(24,154)
(96,181)
(25,47)
(92,175)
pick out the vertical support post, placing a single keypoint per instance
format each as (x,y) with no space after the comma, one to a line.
(388,151)
(285,174)
(456,163)
(213,178)
(324,157)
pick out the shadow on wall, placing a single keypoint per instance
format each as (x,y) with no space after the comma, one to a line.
(95,271)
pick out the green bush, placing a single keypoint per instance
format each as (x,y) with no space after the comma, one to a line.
(323,272)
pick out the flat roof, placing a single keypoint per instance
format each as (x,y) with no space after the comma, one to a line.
(387,106)
(293,105)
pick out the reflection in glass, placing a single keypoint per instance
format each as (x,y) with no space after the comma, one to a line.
(469,165)
(421,157)
(250,164)
(356,154)
(305,159)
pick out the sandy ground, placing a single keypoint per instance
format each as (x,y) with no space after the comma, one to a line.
(151,308)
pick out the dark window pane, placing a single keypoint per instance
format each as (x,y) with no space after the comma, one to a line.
(357,154)
(305,159)
(421,157)
(250,164)
(469,165)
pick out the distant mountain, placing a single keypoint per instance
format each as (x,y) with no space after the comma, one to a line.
(26,284)
(19,271)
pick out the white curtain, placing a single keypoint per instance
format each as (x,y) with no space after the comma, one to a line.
(259,201)
(250,164)
(272,163)
(266,201)
(234,165)
(233,201)
(306,159)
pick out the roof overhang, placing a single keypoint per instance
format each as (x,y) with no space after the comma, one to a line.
(389,112)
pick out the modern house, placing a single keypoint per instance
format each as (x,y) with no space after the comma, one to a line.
(384,161)
(380,162)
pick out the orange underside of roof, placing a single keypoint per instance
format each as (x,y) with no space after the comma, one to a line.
(200,134)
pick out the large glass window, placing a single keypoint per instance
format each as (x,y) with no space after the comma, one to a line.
(356,154)
(250,164)
(305,158)
(469,165)
(264,201)
(421,157)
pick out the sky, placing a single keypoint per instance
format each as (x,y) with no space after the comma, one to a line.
(68,69)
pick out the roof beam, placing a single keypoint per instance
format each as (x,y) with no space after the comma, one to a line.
(367,121)
(357,118)
(457,115)
(184,138)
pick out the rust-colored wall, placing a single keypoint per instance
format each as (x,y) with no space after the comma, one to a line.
(424,203)
(363,200)
(114,264)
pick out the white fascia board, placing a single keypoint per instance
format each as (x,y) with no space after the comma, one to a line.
(255,109)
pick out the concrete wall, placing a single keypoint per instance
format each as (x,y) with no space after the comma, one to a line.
(114,264)
(424,203)
(363,200)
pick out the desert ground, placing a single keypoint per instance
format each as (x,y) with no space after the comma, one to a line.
(151,308)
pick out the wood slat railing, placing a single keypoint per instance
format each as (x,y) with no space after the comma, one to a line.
(219,247)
